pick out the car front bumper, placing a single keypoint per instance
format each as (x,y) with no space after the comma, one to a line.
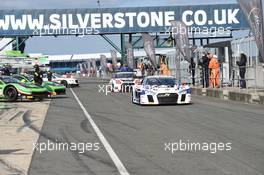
(160,99)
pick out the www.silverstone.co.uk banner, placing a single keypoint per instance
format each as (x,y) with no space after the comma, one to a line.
(119,20)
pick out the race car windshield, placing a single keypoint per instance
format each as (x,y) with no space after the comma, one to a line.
(20,78)
(161,82)
(124,75)
(10,80)
(58,76)
(29,77)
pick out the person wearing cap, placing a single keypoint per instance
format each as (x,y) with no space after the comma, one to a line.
(214,67)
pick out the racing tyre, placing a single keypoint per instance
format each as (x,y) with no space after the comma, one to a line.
(64,83)
(132,99)
(112,87)
(11,94)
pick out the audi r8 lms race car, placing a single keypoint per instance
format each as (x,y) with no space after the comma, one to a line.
(122,81)
(67,82)
(52,87)
(155,90)
(11,89)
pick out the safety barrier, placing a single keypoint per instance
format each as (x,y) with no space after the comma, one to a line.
(230,79)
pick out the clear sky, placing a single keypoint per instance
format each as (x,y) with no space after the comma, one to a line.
(87,44)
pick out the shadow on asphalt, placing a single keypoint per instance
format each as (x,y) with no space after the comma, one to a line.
(59,97)
(95,82)
(9,151)
(33,101)
(163,105)
(24,101)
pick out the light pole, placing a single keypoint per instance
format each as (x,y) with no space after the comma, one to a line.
(98,2)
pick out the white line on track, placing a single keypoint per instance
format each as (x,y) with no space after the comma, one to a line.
(119,165)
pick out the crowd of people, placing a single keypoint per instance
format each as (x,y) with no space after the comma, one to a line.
(111,68)
(37,73)
(211,70)
(209,64)
(147,68)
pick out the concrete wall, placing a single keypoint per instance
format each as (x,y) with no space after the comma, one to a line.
(261,100)
(234,95)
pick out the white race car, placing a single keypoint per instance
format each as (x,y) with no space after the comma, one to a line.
(155,90)
(122,82)
(67,82)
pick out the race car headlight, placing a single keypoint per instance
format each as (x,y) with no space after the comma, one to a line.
(187,91)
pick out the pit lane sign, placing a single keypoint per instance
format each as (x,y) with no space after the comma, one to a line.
(119,20)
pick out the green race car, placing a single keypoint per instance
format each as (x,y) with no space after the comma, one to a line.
(12,89)
(52,87)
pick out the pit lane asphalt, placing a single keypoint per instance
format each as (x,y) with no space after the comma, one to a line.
(137,134)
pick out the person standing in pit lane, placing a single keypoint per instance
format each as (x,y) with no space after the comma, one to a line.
(38,75)
(164,70)
(125,68)
(49,75)
(192,70)
(242,63)
(214,72)
(204,63)
(142,68)
(6,70)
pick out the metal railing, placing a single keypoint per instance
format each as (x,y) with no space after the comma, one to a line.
(228,80)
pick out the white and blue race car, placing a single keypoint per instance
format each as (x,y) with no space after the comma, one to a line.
(122,82)
(155,90)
